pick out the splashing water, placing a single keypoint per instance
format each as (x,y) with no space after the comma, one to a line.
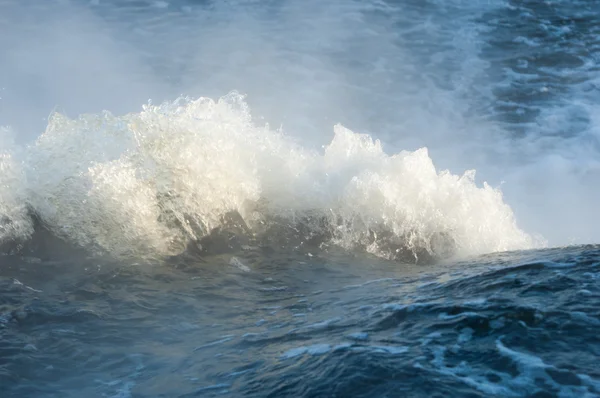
(151,182)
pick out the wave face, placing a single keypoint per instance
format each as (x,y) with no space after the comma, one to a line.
(149,183)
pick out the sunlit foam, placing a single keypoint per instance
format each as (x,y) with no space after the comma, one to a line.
(149,183)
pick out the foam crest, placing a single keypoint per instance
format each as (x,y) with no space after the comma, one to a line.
(15,223)
(411,205)
(150,183)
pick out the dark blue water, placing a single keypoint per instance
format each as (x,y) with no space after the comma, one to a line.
(244,246)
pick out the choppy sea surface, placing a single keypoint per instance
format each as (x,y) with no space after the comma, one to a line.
(299,198)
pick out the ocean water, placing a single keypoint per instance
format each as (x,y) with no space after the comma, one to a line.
(299,198)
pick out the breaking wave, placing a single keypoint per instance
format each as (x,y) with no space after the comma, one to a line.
(151,183)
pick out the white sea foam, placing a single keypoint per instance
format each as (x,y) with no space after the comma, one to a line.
(149,182)
(15,222)
(317,349)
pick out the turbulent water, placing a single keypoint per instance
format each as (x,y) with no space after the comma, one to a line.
(279,198)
